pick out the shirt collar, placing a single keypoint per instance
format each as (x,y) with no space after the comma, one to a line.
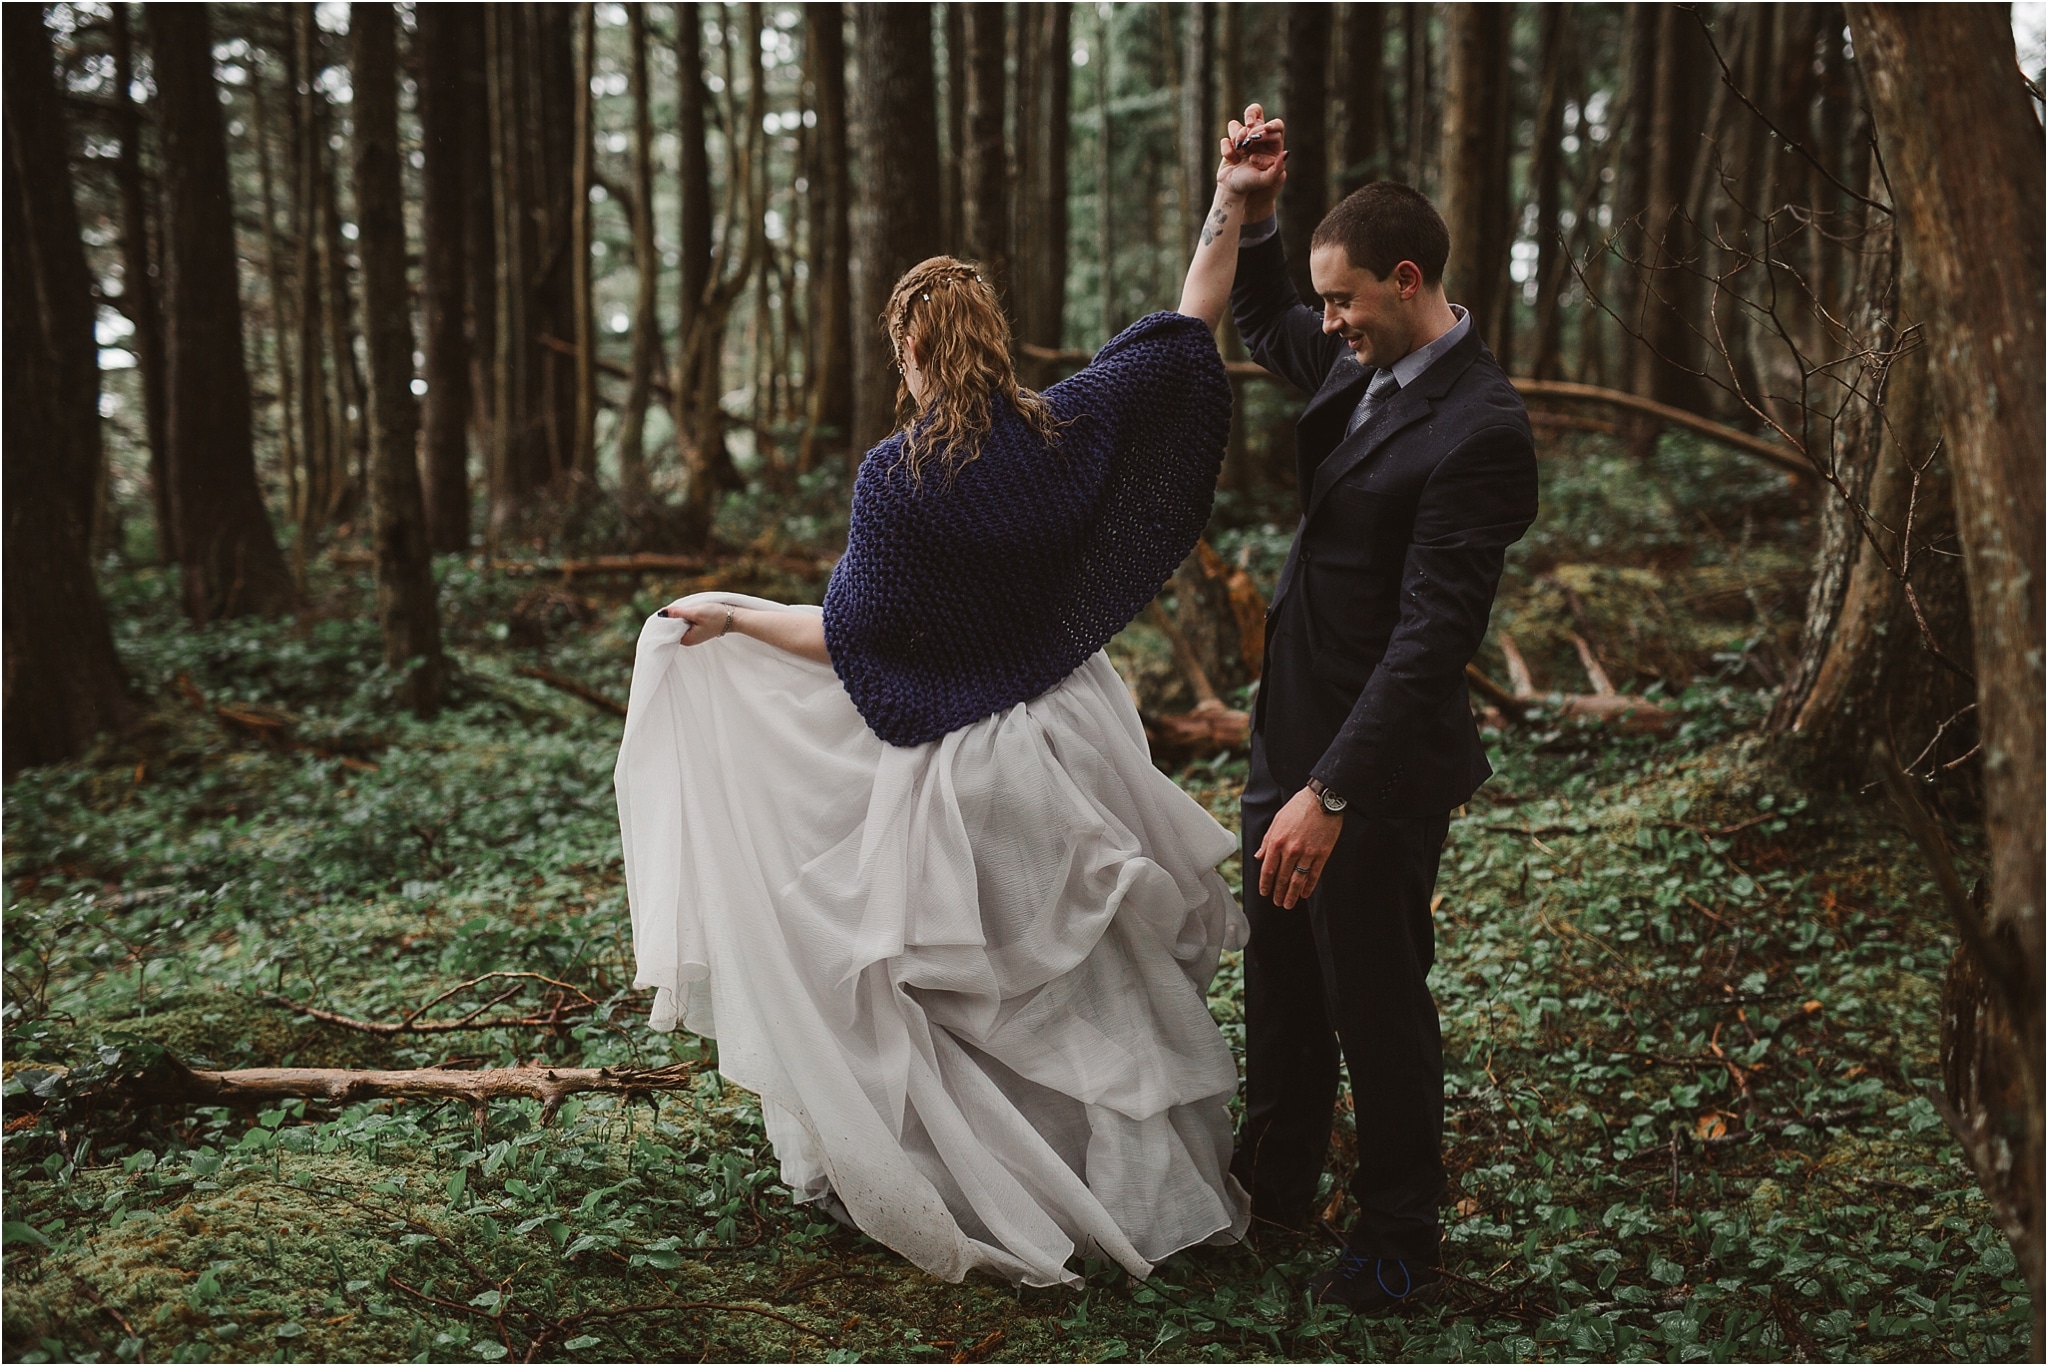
(1409,368)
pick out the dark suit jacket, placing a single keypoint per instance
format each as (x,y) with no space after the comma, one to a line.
(1386,592)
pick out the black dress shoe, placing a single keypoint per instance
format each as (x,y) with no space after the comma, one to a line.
(1375,1285)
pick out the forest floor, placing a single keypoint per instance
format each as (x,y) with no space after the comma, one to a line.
(1691,1013)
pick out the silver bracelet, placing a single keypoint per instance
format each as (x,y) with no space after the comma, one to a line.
(727,628)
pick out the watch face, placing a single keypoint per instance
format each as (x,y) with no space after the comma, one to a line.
(1333,803)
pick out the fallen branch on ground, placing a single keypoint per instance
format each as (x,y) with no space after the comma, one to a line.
(177,1084)
(573,688)
(274,728)
(559,1011)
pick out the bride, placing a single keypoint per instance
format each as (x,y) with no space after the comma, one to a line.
(906,858)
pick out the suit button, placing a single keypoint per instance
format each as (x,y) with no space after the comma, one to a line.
(1307,555)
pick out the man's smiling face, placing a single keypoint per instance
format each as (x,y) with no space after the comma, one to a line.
(1371,315)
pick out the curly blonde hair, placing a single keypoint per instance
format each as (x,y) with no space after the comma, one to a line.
(963,343)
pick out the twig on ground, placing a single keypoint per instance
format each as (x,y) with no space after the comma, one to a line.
(573,688)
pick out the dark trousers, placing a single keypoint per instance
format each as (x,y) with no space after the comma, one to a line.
(1346,968)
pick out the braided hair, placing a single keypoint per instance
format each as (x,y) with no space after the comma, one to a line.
(964,341)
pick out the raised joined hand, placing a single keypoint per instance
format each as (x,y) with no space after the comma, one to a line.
(1254,160)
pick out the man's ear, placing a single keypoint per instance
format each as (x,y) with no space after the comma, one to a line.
(1408,279)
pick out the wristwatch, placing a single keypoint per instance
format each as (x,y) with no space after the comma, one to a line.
(1332,803)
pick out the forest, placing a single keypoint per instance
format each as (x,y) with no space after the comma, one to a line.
(373,371)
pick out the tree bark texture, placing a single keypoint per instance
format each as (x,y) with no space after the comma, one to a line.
(985,164)
(1963,150)
(226,548)
(1200,129)
(317,437)
(63,681)
(896,195)
(479,228)
(1867,671)
(1305,108)
(1044,118)
(444,278)
(952,184)
(1475,190)
(532,75)
(646,276)
(1363,83)
(829,373)
(408,615)
(1106,224)
(1667,358)
(39,142)
(583,451)
(1546,169)
(139,285)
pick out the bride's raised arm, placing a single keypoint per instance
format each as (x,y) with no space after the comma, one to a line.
(1248,182)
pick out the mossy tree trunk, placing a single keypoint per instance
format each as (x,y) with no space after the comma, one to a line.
(1962,147)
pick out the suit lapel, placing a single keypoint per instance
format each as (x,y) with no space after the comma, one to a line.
(1411,404)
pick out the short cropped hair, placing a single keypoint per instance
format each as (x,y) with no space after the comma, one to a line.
(1383,224)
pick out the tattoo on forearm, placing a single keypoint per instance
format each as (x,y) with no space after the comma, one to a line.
(1217,219)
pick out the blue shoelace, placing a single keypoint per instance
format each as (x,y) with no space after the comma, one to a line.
(1351,1264)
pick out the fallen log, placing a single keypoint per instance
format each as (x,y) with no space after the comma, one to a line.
(176,1084)
(1208,730)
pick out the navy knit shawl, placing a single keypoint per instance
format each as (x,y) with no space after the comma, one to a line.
(958,598)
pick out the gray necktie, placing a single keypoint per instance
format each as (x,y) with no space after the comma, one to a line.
(1382,384)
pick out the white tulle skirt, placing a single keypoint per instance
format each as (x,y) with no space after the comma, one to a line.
(966,979)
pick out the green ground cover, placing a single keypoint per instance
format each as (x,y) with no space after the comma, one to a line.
(1647,948)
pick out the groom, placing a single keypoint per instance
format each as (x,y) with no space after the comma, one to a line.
(1416,471)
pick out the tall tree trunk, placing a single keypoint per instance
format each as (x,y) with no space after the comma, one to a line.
(1546,168)
(694,231)
(348,447)
(646,275)
(952,184)
(39,140)
(444,278)
(407,613)
(1045,108)
(316,421)
(226,549)
(1304,106)
(829,373)
(985,165)
(1667,360)
(511,427)
(138,277)
(1963,150)
(282,334)
(1475,188)
(479,227)
(1200,130)
(1632,173)
(1363,83)
(63,681)
(896,195)
(550,116)
(1106,224)
(1420,121)
(583,453)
